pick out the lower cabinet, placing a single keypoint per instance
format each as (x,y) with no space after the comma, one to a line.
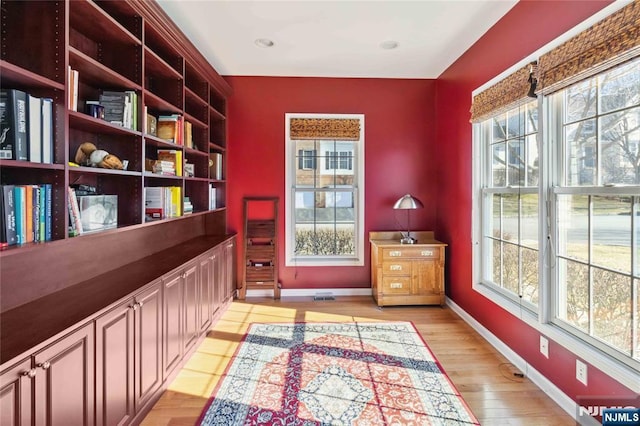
(110,370)
(56,384)
(128,357)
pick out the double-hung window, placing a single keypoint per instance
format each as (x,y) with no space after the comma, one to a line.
(325,196)
(557,197)
(596,193)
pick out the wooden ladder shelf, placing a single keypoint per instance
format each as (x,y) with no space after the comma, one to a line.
(260,262)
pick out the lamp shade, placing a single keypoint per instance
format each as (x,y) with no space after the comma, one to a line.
(408,202)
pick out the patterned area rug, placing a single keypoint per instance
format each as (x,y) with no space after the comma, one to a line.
(378,373)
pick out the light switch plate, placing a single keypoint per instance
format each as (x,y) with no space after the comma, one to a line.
(581,372)
(544,346)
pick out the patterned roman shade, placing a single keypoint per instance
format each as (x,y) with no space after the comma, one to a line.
(502,96)
(346,129)
(609,42)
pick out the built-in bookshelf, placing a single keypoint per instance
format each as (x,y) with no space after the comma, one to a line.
(117,46)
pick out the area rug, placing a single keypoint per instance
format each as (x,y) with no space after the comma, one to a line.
(374,373)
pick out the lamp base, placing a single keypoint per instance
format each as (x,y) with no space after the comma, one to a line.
(408,240)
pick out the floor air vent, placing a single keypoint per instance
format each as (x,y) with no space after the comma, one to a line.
(324,296)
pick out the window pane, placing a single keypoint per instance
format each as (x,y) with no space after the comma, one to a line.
(619,142)
(499,129)
(636,231)
(496,255)
(580,101)
(498,165)
(510,217)
(636,351)
(620,87)
(573,294)
(529,220)
(516,166)
(581,151)
(515,122)
(573,226)
(510,269)
(612,309)
(533,162)
(496,213)
(612,233)
(529,275)
(531,121)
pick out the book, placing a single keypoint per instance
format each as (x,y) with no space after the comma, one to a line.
(74,212)
(215,166)
(21,214)
(188,134)
(154,203)
(175,194)
(34,129)
(13,125)
(48,203)
(212,197)
(47,130)
(152,125)
(114,104)
(72,100)
(42,213)
(28,212)
(8,230)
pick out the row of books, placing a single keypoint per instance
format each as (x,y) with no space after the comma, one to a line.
(169,163)
(73,77)
(25,214)
(120,108)
(162,202)
(172,128)
(215,166)
(26,127)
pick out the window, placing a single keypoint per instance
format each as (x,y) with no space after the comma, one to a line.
(558,222)
(510,203)
(596,193)
(324,207)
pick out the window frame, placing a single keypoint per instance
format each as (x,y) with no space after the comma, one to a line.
(542,318)
(358,166)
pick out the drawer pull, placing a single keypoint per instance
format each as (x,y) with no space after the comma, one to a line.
(395,253)
(44,365)
(395,267)
(426,253)
(29,373)
(395,285)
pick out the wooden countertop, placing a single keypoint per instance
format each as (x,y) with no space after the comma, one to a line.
(32,325)
(392,238)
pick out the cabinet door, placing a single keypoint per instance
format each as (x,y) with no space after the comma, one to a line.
(148,344)
(114,366)
(191,306)
(172,321)
(206,291)
(228,274)
(427,278)
(16,384)
(65,381)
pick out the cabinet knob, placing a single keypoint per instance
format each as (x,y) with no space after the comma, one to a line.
(133,306)
(184,275)
(44,365)
(140,304)
(29,373)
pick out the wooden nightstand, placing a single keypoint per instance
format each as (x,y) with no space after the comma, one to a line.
(407,274)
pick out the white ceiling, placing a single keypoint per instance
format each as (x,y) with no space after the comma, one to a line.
(334,38)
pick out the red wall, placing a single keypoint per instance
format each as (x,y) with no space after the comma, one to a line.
(526,28)
(399,131)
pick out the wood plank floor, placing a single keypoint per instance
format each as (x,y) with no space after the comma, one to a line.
(483,376)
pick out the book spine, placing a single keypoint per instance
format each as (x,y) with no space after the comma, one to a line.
(75,211)
(19,194)
(42,213)
(47,130)
(9,215)
(13,119)
(35,214)
(48,213)
(28,208)
(35,128)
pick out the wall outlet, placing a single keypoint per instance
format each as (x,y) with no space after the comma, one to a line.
(581,372)
(544,346)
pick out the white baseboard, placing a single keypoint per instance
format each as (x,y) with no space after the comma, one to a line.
(559,397)
(310,292)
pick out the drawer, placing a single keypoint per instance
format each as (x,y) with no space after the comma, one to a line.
(260,251)
(397,267)
(261,229)
(396,285)
(259,273)
(412,252)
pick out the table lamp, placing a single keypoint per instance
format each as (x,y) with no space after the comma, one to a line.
(408,203)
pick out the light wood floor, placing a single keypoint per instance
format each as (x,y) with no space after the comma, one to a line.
(480,373)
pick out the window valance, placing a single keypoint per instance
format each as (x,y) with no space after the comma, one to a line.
(502,96)
(324,128)
(607,43)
